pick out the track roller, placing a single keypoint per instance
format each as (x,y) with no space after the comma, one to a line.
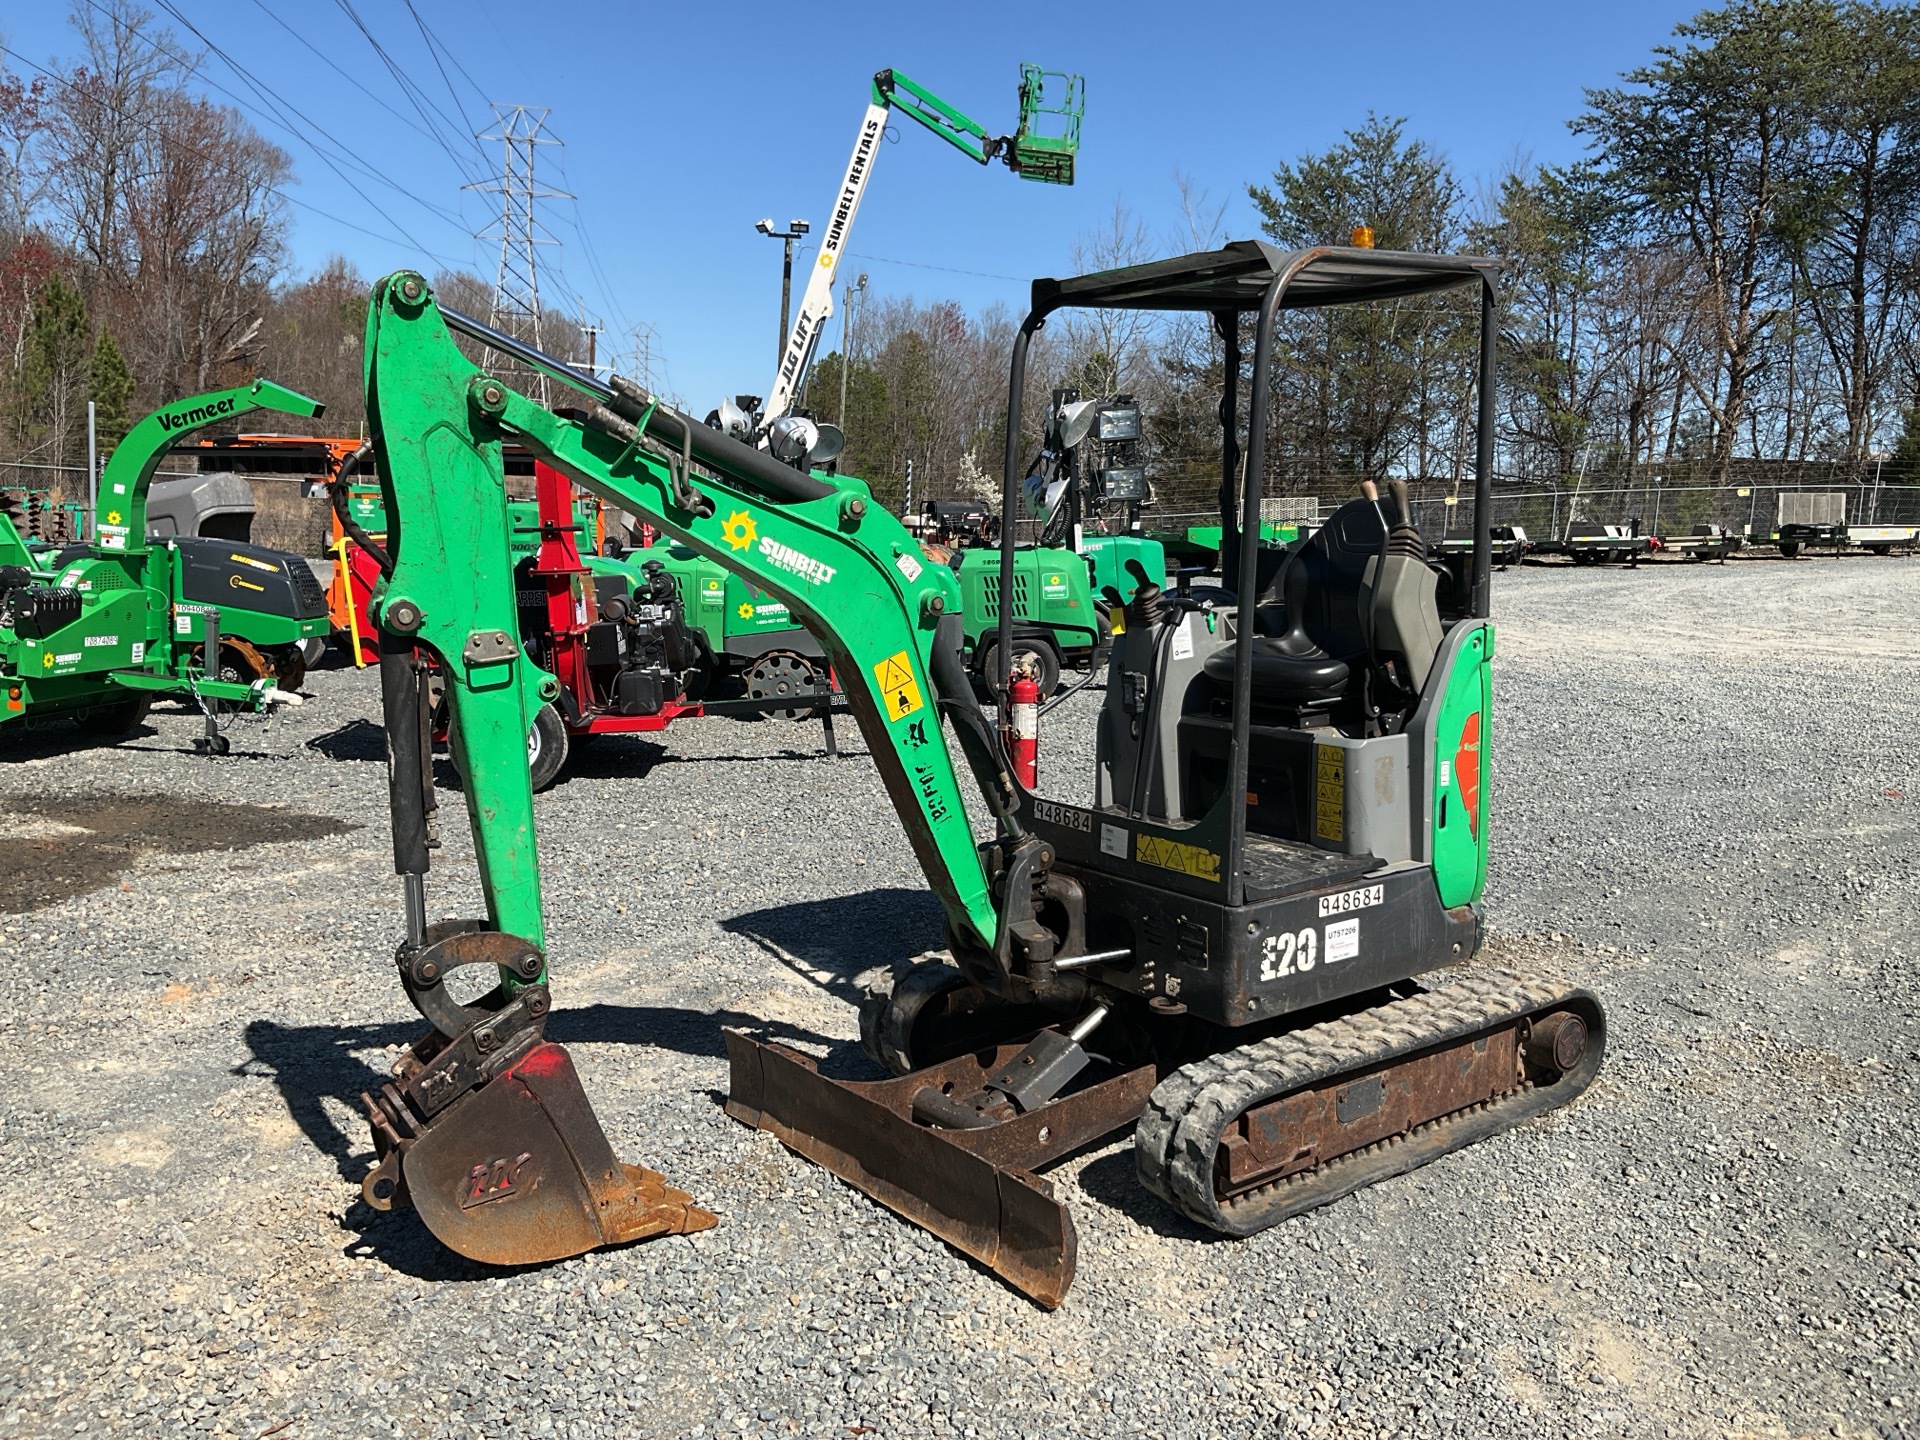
(1252,1136)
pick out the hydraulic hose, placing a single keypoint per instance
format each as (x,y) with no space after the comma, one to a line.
(337,495)
(669,426)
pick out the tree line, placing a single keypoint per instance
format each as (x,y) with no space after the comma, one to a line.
(1727,275)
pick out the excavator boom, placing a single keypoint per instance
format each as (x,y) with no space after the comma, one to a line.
(482,1107)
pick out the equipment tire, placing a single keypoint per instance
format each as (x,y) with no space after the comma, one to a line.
(547,747)
(1790,548)
(784,675)
(1046,672)
(118,718)
(290,665)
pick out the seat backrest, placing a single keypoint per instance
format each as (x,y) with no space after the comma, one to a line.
(1323,593)
(1406,616)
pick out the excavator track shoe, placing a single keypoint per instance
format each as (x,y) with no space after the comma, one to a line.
(1250,1137)
(519,1172)
(973,1188)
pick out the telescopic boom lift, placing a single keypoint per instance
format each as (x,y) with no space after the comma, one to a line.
(1042,148)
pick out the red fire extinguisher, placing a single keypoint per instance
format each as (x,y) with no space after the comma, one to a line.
(1023,709)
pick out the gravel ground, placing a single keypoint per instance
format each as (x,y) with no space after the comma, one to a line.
(1705,794)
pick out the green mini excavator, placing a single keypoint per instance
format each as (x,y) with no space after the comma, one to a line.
(1245,936)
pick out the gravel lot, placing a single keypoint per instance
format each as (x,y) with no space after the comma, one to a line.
(1706,804)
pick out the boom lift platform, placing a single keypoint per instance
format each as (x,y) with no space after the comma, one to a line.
(1236,948)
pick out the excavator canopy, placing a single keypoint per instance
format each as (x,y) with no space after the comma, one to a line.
(1237,275)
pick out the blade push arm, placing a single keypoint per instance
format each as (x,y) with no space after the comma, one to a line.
(817,543)
(120,524)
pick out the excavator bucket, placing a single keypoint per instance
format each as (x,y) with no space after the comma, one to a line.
(519,1172)
(975,1189)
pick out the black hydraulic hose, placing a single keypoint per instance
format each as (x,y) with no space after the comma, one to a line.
(337,494)
(406,761)
(669,426)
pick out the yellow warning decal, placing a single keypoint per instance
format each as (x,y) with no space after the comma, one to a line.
(1329,793)
(899,691)
(1172,855)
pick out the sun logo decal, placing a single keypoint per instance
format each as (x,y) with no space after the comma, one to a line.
(46,661)
(113,517)
(738,530)
(746,610)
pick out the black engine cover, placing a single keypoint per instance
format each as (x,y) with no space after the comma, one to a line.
(39,610)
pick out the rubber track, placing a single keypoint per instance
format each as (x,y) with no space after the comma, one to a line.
(1179,1132)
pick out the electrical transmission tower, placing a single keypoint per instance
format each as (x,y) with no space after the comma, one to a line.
(516,285)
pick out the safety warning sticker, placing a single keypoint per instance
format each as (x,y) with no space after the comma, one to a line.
(1329,792)
(1172,855)
(899,691)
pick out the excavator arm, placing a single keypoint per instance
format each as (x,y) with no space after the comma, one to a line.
(482,1108)
(819,544)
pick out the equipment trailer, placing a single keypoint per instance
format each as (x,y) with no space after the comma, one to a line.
(1225,950)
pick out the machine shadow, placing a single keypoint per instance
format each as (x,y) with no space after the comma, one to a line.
(356,741)
(830,943)
(311,1064)
(1111,1180)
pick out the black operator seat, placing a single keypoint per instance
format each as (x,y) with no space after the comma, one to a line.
(1313,632)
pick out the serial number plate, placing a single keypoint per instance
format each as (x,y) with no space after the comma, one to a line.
(1052,814)
(1347,901)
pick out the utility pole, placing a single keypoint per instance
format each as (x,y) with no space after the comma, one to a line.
(87,529)
(795,229)
(853,288)
(516,283)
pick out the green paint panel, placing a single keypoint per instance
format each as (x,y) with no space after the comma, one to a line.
(1463,761)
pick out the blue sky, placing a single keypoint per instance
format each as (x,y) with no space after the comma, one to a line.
(683,124)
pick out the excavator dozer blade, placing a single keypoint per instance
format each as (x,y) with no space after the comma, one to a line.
(973,1188)
(519,1172)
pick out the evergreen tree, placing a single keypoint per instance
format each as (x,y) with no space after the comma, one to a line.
(110,386)
(53,373)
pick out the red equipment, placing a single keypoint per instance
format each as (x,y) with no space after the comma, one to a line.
(1023,706)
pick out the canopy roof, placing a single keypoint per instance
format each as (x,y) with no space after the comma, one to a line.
(1236,276)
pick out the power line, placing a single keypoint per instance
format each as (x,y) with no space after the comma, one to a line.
(344,73)
(415,96)
(275,190)
(435,47)
(275,117)
(948,269)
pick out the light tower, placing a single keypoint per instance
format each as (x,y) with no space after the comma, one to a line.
(516,284)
